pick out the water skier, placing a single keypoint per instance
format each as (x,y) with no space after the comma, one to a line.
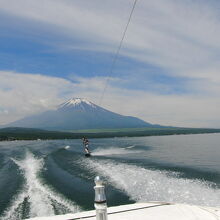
(86,146)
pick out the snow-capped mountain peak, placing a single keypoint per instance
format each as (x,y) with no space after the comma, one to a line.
(77,103)
(78,113)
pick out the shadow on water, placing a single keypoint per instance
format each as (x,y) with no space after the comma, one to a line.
(10,183)
(2,161)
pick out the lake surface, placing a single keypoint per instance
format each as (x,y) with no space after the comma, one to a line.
(41,178)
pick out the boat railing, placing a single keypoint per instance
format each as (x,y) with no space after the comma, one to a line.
(100,200)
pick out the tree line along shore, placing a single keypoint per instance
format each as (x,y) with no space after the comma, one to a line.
(12,134)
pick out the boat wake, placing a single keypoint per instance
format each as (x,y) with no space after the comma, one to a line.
(142,184)
(114,151)
(36,199)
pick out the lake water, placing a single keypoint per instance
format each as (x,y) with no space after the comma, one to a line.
(41,178)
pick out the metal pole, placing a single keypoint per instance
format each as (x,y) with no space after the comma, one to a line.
(100,200)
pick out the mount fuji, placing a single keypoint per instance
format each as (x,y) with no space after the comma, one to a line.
(76,114)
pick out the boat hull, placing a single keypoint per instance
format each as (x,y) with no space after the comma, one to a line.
(148,211)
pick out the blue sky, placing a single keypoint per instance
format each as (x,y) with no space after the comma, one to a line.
(167,71)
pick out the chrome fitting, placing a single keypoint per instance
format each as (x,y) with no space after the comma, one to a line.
(100,200)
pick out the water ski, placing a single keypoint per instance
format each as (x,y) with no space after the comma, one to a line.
(87,152)
(87,155)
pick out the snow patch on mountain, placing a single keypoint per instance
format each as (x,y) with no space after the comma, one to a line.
(77,102)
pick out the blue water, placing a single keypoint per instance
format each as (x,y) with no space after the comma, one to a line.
(42,178)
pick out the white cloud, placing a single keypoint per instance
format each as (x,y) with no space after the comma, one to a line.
(26,94)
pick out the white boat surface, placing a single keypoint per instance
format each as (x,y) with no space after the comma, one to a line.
(147,211)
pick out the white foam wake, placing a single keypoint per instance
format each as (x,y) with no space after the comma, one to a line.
(40,197)
(114,151)
(150,185)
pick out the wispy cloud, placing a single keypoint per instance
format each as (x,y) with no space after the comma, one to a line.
(178,40)
(179,35)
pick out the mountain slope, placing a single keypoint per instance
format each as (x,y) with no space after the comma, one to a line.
(79,114)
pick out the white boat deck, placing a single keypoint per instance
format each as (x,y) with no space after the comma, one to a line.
(147,211)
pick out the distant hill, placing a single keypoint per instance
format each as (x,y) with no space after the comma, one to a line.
(12,133)
(78,114)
